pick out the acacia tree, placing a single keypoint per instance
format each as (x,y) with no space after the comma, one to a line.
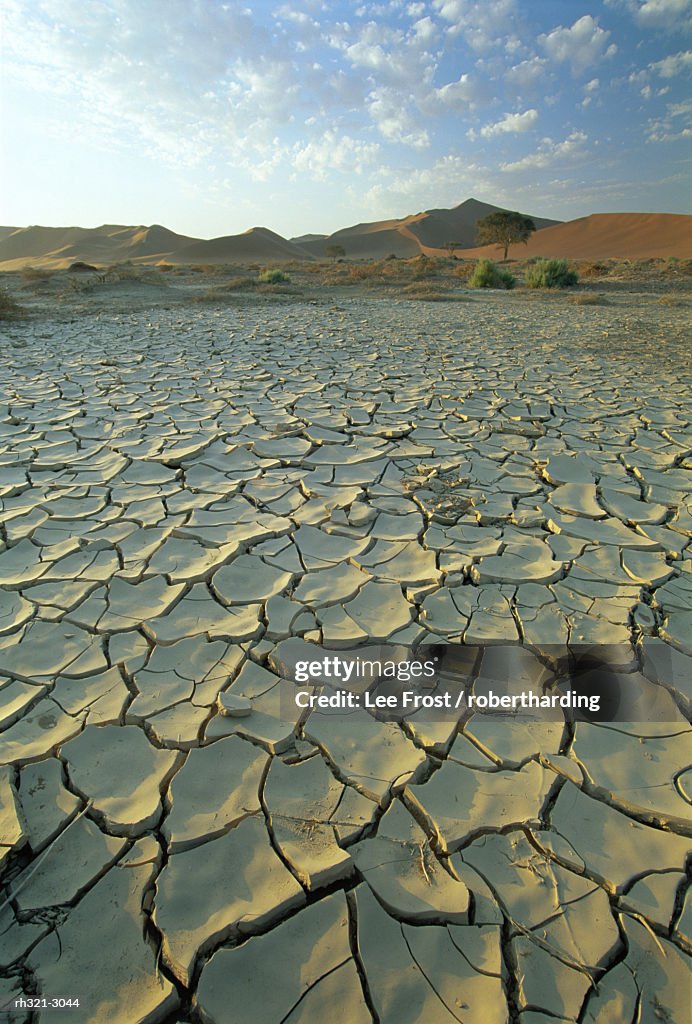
(335,251)
(504,228)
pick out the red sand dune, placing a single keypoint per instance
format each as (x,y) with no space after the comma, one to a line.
(599,236)
(606,235)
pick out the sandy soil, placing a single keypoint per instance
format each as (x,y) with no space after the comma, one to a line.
(196,479)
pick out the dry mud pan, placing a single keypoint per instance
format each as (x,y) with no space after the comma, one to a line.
(181,495)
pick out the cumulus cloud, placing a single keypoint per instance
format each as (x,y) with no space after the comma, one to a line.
(674,64)
(466,92)
(581,46)
(479,23)
(669,15)
(528,73)
(677,123)
(510,123)
(334,152)
(395,122)
(549,153)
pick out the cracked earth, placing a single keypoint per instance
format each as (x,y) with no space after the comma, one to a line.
(181,499)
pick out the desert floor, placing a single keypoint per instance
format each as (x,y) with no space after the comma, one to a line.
(192,476)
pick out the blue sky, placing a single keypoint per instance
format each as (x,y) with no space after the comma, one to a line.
(212,117)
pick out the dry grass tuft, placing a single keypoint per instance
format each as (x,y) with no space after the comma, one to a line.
(8,307)
(35,275)
(465,269)
(587,299)
(424,293)
(590,269)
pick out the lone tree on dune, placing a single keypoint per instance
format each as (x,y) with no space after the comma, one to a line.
(504,228)
(451,246)
(335,251)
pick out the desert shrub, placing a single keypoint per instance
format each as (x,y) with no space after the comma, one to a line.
(165,268)
(592,268)
(273,276)
(123,272)
(236,284)
(550,274)
(487,274)
(423,292)
(276,289)
(35,274)
(8,307)
(424,267)
(365,271)
(464,269)
(226,292)
(212,295)
(80,267)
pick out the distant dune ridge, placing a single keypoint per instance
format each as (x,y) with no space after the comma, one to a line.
(598,236)
(427,232)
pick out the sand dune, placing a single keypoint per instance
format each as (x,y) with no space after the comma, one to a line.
(426,231)
(257,243)
(109,243)
(598,236)
(605,235)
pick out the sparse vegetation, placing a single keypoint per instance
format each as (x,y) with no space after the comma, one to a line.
(465,269)
(426,293)
(424,267)
(423,293)
(592,268)
(488,275)
(271,275)
(504,228)
(80,267)
(550,274)
(365,272)
(8,307)
(35,275)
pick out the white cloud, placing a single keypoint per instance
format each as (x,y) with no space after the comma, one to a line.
(466,92)
(528,72)
(394,121)
(581,46)
(550,153)
(672,65)
(425,29)
(446,181)
(334,152)
(677,123)
(669,15)
(480,23)
(510,123)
